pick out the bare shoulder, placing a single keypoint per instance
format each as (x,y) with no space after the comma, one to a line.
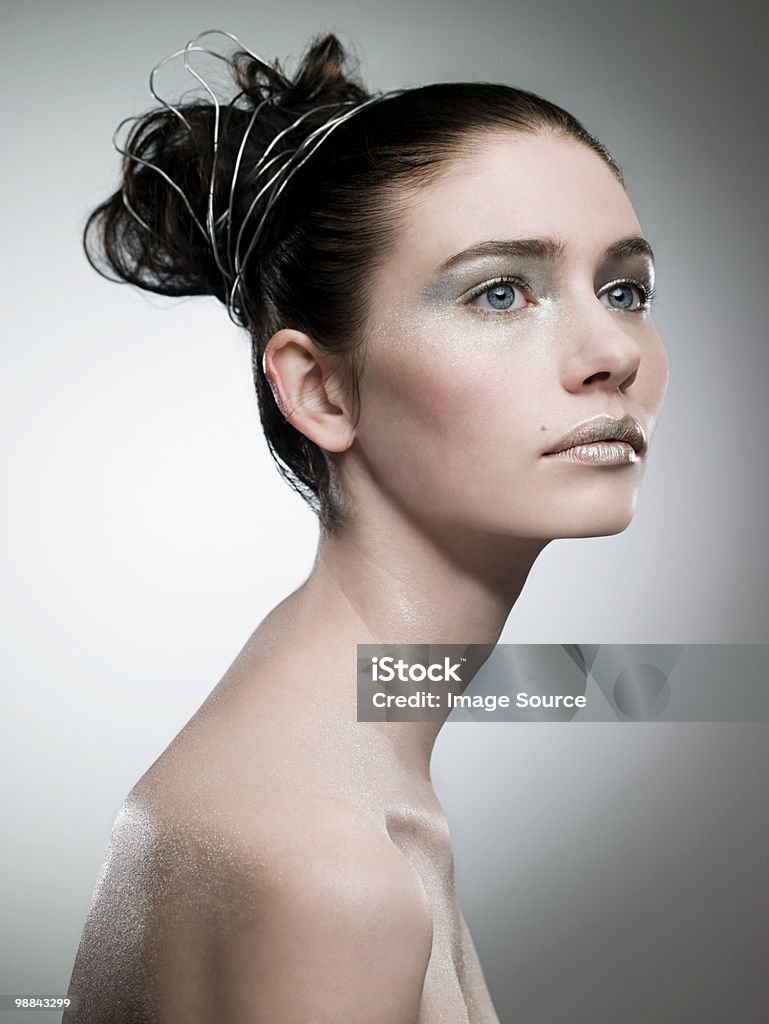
(307,912)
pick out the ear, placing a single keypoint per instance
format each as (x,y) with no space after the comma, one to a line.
(306,390)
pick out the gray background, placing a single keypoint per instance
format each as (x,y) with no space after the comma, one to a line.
(608,872)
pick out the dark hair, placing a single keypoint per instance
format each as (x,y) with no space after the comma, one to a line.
(335,222)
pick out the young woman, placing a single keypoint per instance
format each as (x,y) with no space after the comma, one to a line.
(448,299)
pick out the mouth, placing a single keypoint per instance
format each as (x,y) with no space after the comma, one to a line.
(602,440)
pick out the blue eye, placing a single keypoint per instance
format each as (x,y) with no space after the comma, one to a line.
(627,296)
(503,295)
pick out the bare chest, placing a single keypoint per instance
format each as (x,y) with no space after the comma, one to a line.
(455,990)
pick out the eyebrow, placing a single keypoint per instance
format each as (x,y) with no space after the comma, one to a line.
(544,249)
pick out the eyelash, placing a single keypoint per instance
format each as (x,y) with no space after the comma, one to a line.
(647,293)
(504,279)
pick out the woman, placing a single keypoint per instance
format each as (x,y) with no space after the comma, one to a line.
(448,299)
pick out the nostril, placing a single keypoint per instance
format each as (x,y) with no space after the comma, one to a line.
(628,381)
(601,375)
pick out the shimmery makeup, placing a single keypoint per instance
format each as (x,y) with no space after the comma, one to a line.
(460,272)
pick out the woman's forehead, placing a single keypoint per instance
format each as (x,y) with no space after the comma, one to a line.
(517,185)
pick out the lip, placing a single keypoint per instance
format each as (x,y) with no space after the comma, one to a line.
(623,440)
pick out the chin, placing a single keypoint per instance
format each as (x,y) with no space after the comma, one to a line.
(601,521)
(595,511)
(605,523)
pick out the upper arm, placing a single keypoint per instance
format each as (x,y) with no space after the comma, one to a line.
(332,943)
(322,921)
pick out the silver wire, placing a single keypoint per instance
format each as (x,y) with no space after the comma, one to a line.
(262,164)
(158,170)
(235,173)
(323,132)
(232,264)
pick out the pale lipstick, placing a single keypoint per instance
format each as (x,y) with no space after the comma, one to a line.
(602,440)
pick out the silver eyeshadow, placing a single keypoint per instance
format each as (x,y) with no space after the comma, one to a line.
(533,260)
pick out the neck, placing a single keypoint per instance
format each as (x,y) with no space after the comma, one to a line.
(406,585)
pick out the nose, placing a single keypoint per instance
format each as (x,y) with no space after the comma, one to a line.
(603,351)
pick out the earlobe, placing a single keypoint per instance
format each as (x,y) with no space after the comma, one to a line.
(306,390)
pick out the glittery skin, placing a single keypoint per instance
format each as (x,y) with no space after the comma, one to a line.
(246,862)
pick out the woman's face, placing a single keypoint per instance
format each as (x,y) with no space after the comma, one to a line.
(479,364)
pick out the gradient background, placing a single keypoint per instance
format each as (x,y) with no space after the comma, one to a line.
(608,872)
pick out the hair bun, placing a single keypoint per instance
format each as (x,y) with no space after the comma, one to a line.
(323,73)
(161,229)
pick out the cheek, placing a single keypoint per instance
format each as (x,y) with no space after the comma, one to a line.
(663,372)
(452,409)
(654,375)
